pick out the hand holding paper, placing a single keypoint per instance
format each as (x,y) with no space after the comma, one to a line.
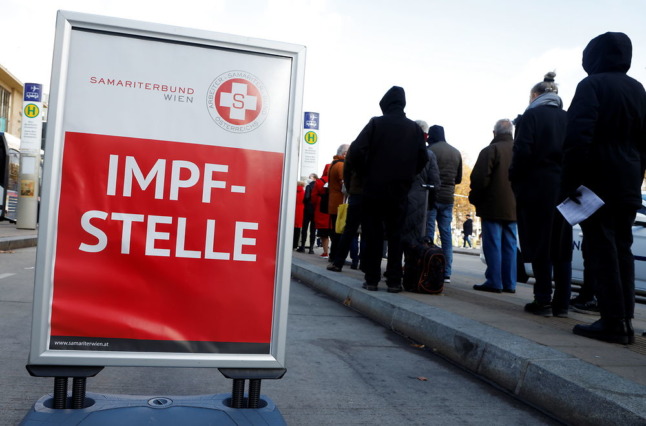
(582,207)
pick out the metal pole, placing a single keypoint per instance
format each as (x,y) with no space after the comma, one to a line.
(254,393)
(237,395)
(60,392)
(78,392)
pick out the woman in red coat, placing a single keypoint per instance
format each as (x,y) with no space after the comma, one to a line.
(321,219)
(298,215)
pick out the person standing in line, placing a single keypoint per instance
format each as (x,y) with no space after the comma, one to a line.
(467,231)
(420,197)
(389,152)
(321,218)
(493,198)
(308,216)
(336,195)
(605,150)
(535,175)
(449,162)
(298,214)
(354,187)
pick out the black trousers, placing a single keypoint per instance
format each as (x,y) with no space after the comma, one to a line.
(352,222)
(607,241)
(383,214)
(308,222)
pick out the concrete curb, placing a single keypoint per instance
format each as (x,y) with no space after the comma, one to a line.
(13,243)
(567,388)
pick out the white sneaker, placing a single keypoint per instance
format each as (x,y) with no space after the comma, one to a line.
(447,280)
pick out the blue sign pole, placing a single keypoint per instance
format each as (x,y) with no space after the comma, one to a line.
(30,142)
(309,144)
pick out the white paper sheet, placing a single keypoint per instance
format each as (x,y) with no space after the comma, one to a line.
(575,213)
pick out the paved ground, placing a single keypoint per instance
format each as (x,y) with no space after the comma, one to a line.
(579,380)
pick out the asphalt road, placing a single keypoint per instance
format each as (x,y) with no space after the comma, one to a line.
(343,369)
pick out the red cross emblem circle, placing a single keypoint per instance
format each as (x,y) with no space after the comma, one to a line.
(237,101)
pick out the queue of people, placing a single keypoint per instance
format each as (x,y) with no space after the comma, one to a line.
(398,188)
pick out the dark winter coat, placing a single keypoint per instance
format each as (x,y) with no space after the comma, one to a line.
(535,175)
(449,161)
(491,192)
(467,227)
(605,147)
(415,222)
(390,151)
(307,200)
(352,180)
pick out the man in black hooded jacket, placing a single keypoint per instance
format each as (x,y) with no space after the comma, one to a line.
(388,154)
(605,150)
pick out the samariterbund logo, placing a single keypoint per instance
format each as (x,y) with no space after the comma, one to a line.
(238,101)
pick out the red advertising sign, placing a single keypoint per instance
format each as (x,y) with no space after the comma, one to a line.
(162,244)
(168,199)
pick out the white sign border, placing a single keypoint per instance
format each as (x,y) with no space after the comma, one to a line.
(40,354)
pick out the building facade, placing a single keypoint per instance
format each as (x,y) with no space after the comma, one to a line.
(11,94)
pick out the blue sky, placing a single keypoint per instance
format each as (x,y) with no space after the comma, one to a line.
(464,64)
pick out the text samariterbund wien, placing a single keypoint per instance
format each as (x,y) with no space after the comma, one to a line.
(130,172)
(170,92)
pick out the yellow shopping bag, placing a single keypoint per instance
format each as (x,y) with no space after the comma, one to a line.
(341,214)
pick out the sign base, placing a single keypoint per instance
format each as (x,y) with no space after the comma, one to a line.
(130,410)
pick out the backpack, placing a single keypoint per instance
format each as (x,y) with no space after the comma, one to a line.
(424,266)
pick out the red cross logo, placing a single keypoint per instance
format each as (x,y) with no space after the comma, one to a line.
(238,101)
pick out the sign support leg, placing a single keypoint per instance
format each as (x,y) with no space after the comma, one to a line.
(61,375)
(78,392)
(255,376)
(254,393)
(60,393)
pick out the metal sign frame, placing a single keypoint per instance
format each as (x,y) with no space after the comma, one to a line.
(283,121)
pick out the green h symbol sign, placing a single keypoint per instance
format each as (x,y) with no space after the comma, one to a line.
(311,137)
(31,110)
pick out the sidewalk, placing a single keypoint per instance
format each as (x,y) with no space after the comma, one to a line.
(14,238)
(580,381)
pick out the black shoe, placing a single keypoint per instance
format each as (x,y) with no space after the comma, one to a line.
(630,330)
(301,249)
(394,289)
(590,307)
(486,288)
(311,251)
(606,330)
(369,287)
(537,308)
(580,299)
(333,267)
(354,266)
(559,312)
(509,290)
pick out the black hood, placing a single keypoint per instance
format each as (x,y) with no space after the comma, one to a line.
(435,134)
(393,101)
(609,52)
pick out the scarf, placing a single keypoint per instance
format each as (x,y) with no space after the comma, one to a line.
(547,98)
